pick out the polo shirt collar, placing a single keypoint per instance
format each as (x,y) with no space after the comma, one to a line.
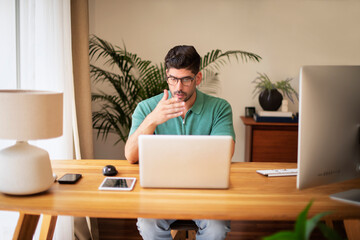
(199,102)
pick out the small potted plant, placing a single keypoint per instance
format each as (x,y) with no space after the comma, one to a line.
(304,227)
(270,98)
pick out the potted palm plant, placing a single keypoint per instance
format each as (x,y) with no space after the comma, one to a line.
(134,79)
(270,98)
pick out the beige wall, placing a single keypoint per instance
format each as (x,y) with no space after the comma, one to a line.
(285,33)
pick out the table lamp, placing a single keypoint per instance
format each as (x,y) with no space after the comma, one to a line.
(28,115)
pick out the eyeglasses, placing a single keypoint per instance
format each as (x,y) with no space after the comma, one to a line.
(186,81)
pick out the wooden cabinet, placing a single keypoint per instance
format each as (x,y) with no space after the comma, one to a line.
(270,142)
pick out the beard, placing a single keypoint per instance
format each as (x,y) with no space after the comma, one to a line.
(185,97)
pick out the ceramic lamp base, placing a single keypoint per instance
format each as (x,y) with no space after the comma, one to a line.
(25,169)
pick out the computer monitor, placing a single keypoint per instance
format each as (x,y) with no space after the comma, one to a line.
(329,125)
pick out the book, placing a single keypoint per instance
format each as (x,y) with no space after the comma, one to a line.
(274,114)
(292,119)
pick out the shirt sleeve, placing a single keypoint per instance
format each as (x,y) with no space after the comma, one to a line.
(223,122)
(137,118)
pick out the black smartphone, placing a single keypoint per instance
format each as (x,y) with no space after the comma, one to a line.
(69,178)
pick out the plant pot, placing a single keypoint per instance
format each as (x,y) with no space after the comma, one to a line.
(270,100)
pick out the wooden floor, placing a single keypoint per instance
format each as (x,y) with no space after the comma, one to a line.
(125,229)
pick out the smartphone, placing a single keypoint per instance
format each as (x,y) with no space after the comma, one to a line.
(118,183)
(69,178)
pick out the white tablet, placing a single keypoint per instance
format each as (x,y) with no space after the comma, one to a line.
(118,183)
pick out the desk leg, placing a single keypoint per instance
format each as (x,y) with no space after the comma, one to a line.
(329,223)
(48,226)
(94,227)
(352,227)
(26,226)
(248,143)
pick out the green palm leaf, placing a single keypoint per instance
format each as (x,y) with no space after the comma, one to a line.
(212,62)
(216,58)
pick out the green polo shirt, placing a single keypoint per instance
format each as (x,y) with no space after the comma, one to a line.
(208,116)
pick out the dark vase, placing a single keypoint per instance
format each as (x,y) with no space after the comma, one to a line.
(270,100)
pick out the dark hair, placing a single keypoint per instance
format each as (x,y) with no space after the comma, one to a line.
(183,57)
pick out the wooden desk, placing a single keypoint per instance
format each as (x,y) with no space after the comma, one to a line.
(270,142)
(250,197)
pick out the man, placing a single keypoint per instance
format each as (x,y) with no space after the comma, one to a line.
(183,110)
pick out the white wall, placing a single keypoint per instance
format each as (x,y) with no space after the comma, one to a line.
(285,33)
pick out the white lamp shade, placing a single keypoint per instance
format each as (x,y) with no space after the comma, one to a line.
(29,115)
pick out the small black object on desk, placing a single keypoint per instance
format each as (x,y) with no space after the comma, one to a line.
(109,170)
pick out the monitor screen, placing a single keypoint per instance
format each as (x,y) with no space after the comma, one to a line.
(329,125)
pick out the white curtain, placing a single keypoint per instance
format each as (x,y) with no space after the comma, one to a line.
(8,51)
(45,64)
(45,60)
(7,81)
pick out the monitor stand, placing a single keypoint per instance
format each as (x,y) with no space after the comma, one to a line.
(351,196)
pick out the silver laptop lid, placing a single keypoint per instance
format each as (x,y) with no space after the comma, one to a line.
(178,161)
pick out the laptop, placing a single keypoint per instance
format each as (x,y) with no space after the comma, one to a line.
(178,161)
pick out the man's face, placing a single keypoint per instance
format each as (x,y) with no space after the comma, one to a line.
(183,90)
